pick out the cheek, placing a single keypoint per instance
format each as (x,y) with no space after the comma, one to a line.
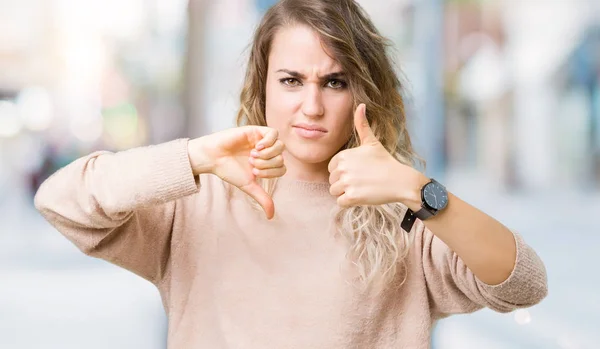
(271,106)
(280,106)
(274,104)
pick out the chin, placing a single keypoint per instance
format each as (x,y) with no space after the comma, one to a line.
(310,154)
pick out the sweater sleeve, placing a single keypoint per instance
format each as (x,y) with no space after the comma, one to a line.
(120,206)
(454,289)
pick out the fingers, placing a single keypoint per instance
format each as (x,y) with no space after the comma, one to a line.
(270,172)
(270,152)
(261,164)
(268,163)
(269,138)
(334,177)
(333,163)
(345,201)
(337,188)
(260,195)
(344,194)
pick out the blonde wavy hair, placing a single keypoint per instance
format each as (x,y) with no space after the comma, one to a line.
(377,244)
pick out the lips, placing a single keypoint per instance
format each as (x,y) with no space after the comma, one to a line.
(310,127)
(309,132)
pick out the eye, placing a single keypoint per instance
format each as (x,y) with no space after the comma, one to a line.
(336,84)
(292,82)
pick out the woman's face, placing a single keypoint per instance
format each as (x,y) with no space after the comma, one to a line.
(307,98)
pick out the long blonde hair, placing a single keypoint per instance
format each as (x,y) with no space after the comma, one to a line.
(378,246)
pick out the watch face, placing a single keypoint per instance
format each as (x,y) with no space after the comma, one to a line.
(435,195)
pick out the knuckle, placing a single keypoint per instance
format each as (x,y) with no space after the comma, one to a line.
(265,154)
(344,179)
(259,163)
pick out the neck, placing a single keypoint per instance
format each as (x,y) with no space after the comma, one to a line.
(306,172)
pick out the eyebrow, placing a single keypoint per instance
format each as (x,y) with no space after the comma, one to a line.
(298,75)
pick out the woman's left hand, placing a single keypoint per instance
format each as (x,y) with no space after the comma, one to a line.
(370,175)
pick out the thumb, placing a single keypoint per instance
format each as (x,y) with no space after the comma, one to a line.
(365,134)
(260,195)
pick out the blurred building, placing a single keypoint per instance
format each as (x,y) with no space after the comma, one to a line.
(506,113)
(577,80)
(79,76)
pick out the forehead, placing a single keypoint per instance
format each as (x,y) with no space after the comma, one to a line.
(300,48)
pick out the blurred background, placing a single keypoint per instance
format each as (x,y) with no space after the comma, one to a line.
(504,104)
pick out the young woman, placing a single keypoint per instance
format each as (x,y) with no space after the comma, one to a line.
(357,249)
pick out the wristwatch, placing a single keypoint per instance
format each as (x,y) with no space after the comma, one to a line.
(434,198)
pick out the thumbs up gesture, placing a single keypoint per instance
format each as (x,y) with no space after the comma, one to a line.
(369,174)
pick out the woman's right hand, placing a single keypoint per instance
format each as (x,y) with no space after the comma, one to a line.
(240,155)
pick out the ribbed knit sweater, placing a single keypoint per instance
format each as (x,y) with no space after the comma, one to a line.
(230,278)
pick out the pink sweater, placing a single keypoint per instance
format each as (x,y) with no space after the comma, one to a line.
(229,278)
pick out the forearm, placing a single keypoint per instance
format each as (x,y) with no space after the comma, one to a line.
(486,246)
(101,189)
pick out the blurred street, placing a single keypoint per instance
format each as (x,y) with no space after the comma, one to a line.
(53,296)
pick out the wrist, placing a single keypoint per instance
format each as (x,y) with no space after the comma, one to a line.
(199,156)
(410,195)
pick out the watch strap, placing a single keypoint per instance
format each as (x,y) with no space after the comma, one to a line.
(424,213)
(408,221)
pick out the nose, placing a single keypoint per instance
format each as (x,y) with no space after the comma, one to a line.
(312,105)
